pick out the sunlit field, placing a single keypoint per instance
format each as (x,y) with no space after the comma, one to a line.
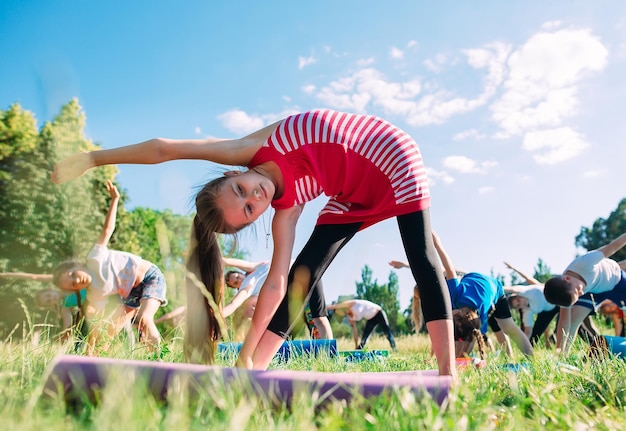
(547,393)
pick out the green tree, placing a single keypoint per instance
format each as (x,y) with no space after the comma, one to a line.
(542,271)
(42,223)
(604,231)
(385,295)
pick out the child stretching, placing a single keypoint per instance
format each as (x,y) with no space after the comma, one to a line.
(587,281)
(109,275)
(374,315)
(290,163)
(479,302)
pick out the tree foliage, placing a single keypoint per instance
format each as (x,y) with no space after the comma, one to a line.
(42,224)
(542,271)
(385,295)
(604,231)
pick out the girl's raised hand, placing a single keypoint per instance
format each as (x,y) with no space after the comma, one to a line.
(112,190)
(71,167)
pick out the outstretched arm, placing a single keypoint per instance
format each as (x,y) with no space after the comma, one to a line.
(254,352)
(614,246)
(399,265)
(515,333)
(528,278)
(109,221)
(236,302)
(175,313)
(448,266)
(26,276)
(234,152)
(343,304)
(244,265)
(563,328)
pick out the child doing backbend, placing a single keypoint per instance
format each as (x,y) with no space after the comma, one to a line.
(131,283)
(290,163)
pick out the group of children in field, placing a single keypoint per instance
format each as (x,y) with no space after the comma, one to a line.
(371,171)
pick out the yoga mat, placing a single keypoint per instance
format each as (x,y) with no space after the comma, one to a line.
(288,349)
(363,355)
(80,378)
(616,345)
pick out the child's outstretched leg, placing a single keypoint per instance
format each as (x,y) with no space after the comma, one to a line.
(422,256)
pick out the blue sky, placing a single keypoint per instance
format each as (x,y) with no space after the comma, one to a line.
(518,107)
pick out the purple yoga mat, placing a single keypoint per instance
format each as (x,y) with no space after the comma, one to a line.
(80,378)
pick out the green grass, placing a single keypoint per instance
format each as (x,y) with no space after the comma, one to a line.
(550,393)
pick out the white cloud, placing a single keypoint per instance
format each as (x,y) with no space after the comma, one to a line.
(468,134)
(461,164)
(396,53)
(309,89)
(554,145)
(544,74)
(306,61)
(485,190)
(197,130)
(365,61)
(594,174)
(493,58)
(369,86)
(551,25)
(465,165)
(240,122)
(434,176)
(412,43)
(436,64)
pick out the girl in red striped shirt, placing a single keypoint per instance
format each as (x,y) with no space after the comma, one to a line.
(370,170)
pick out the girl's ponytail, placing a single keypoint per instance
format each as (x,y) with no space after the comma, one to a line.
(204,281)
(480,341)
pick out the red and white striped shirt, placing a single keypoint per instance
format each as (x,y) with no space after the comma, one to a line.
(370,169)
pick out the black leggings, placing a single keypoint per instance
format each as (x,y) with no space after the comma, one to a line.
(542,321)
(325,243)
(379,319)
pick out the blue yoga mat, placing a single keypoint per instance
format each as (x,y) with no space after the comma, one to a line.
(288,348)
(617,345)
(363,355)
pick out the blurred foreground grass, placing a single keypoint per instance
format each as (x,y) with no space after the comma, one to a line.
(571,393)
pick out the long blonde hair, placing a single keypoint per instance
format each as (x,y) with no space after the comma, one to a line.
(205,277)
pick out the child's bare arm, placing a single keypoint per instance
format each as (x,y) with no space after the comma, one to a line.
(398,265)
(241,264)
(26,276)
(234,152)
(614,246)
(528,278)
(448,266)
(109,221)
(343,304)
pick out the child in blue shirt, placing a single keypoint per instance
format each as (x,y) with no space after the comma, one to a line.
(478,302)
